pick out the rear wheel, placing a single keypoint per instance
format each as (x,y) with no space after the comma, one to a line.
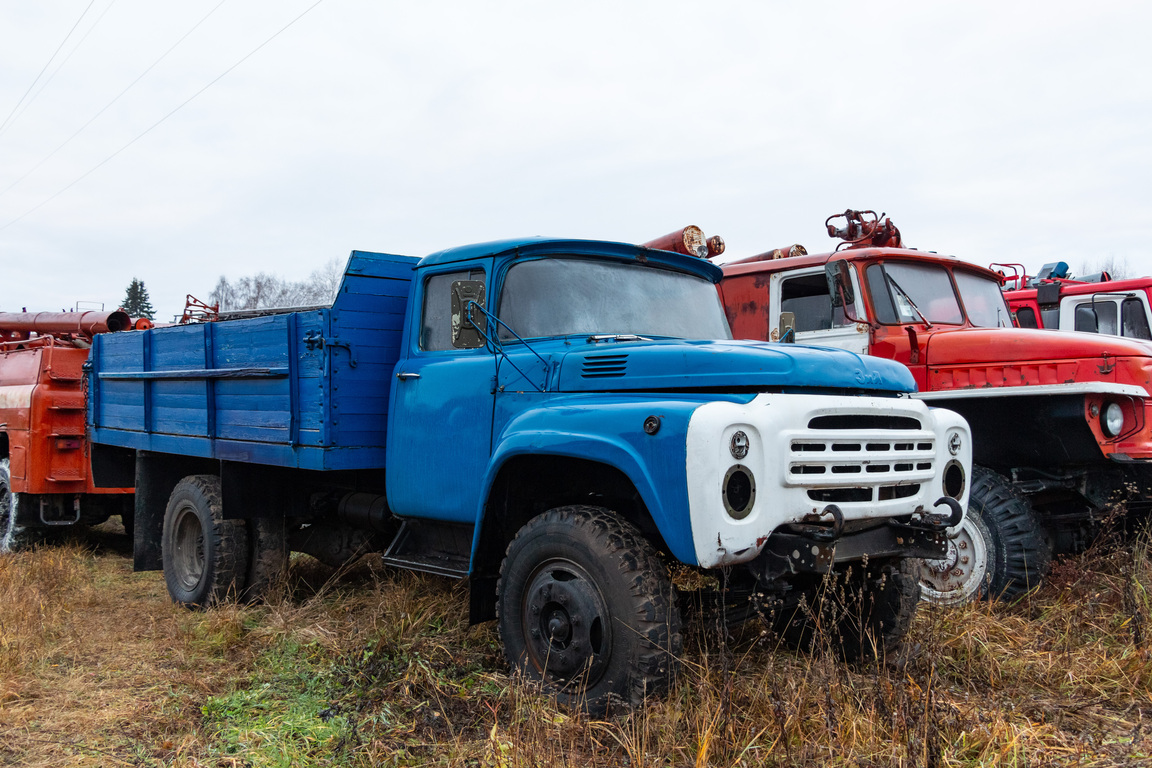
(585,605)
(267,557)
(205,556)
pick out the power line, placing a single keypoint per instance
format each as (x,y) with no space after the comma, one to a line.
(67,58)
(91,120)
(148,130)
(46,65)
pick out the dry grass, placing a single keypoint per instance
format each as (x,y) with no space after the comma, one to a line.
(378,667)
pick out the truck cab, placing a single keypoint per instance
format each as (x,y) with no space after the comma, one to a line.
(1060,420)
(1093,304)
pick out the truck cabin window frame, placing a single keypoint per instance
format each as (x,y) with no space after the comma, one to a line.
(1099,316)
(558,297)
(436,312)
(807,297)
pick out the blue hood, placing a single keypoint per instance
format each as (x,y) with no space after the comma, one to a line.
(724,365)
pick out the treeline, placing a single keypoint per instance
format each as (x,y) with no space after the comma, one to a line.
(264,291)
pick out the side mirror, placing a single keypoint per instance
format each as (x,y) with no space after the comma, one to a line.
(468,332)
(788,327)
(840,283)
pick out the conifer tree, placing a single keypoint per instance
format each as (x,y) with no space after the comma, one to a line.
(136,302)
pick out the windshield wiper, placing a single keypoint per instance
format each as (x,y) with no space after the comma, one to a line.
(908,299)
(599,337)
(499,347)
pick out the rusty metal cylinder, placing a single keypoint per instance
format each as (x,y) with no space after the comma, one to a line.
(76,323)
(690,241)
(786,252)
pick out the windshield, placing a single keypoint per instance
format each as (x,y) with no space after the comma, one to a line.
(562,297)
(983,301)
(913,293)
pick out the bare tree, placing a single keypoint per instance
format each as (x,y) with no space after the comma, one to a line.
(265,291)
(1115,266)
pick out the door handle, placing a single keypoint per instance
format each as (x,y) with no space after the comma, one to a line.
(407,376)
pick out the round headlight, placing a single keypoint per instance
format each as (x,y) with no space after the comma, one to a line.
(1112,419)
(739,491)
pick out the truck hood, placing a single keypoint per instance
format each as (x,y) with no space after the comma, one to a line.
(1017,345)
(723,366)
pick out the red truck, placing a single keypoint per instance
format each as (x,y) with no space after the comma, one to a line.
(45,473)
(1060,421)
(1095,303)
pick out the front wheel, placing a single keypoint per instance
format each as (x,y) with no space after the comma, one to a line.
(585,605)
(859,611)
(13,536)
(205,556)
(999,550)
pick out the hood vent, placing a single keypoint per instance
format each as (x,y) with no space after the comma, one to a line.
(603,366)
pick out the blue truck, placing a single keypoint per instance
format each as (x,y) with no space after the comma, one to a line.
(565,423)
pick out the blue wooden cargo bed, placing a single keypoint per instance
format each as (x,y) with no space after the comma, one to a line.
(284,390)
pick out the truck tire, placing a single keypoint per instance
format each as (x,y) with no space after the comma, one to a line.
(267,557)
(861,611)
(13,536)
(999,552)
(7,519)
(205,556)
(586,606)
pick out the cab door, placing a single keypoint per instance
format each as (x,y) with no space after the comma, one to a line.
(440,414)
(804,294)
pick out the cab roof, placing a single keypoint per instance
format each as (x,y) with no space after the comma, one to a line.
(751,266)
(540,246)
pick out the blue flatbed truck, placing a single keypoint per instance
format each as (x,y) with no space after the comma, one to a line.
(559,421)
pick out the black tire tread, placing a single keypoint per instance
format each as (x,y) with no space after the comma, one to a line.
(13,536)
(1020,554)
(654,603)
(267,558)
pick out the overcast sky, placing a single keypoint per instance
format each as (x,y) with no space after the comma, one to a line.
(993,131)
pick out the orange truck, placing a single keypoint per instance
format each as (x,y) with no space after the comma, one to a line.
(45,471)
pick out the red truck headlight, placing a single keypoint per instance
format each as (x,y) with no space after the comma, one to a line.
(1112,419)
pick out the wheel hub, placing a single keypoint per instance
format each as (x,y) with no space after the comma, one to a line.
(189,555)
(566,621)
(958,576)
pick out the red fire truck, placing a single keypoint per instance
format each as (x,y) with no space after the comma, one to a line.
(1060,421)
(45,476)
(1094,303)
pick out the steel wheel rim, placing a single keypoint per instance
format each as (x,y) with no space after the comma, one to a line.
(188,546)
(565,623)
(959,576)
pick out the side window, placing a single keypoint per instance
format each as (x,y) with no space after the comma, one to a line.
(808,299)
(1134,320)
(1027,317)
(1098,317)
(436,324)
